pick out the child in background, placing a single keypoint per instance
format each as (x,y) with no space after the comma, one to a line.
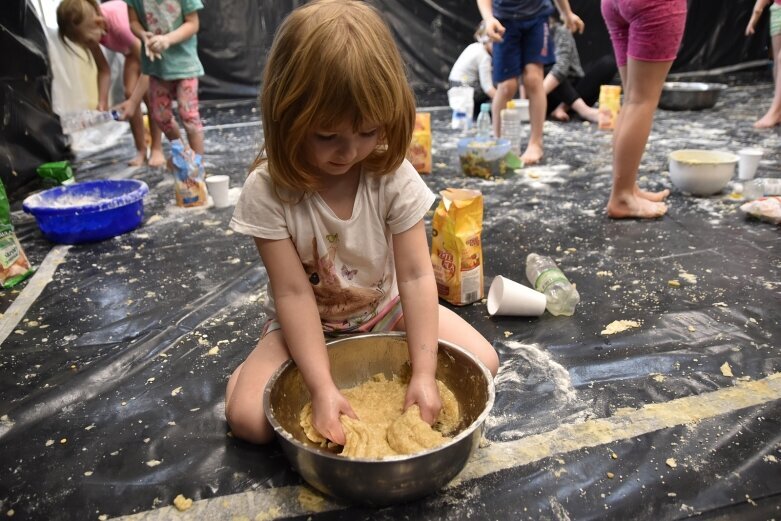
(645,37)
(336,213)
(167,29)
(90,25)
(522,47)
(473,67)
(567,85)
(773,115)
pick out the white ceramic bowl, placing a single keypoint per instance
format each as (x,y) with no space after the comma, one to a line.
(701,172)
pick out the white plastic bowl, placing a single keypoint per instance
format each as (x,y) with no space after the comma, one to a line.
(701,172)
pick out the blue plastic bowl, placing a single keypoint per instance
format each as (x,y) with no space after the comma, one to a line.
(89,211)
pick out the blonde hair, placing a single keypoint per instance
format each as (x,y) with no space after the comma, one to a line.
(331,60)
(481,33)
(70,15)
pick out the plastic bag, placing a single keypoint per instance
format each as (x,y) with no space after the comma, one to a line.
(765,208)
(189,176)
(14,266)
(456,249)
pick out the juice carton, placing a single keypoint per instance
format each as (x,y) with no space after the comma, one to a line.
(609,105)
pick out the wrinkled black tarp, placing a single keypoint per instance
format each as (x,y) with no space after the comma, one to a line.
(30,133)
(110,368)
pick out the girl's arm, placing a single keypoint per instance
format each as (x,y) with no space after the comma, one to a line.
(297,313)
(104,75)
(570,19)
(484,70)
(189,27)
(128,107)
(135,24)
(493,28)
(419,301)
(759,6)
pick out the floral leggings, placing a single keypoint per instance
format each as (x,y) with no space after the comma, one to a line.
(161,96)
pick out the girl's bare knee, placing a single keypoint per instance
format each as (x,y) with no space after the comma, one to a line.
(248,427)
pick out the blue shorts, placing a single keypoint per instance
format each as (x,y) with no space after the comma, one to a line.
(525,41)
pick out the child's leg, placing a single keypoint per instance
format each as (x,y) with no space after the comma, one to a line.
(773,115)
(244,393)
(161,94)
(131,73)
(504,93)
(187,98)
(532,82)
(156,156)
(643,87)
(456,330)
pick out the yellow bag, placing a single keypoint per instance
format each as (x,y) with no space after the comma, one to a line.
(609,106)
(456,251)
(419,153)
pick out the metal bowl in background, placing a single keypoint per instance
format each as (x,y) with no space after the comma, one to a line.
(377,482)
(679,95)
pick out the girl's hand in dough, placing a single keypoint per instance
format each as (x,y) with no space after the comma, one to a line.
(327,407)
(423,391)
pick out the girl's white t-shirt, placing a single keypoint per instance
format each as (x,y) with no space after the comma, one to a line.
(349,262)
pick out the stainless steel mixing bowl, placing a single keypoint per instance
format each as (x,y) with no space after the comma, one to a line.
(354,360)
(679,95)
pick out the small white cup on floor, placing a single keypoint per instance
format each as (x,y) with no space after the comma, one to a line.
(507,297)
(218,189)
(748,163)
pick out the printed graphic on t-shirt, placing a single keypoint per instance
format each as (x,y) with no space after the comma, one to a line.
(340,303)
(162,15)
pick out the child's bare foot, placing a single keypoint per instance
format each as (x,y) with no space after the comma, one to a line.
(532,155)
(156,159)
(634,207)
(768,121)
(589,114)
(138,160)
(559,114)
(656,197)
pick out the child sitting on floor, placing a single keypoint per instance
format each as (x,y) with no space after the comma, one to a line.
(336,213)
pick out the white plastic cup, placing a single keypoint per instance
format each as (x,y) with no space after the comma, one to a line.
(507,297)
(218,189)
(748,163)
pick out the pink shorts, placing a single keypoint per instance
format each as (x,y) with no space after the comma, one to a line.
(645,30)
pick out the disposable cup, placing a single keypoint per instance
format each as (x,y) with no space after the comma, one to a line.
(218,189)
(748,163)
(507,297)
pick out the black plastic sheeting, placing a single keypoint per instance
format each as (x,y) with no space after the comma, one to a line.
(112,389)
(236,35)
(30,133)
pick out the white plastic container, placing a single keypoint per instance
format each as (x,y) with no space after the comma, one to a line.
(511,126)
(701,172)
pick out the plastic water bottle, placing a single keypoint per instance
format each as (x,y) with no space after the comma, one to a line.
(459,121)
(546,277)
(511,126)
(484,121)
(82,119)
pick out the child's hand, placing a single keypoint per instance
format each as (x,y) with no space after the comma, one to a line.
(423,391)
(159,43)
(152,55)
(126,110)
(327,407)
(574,23)
(494,29)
